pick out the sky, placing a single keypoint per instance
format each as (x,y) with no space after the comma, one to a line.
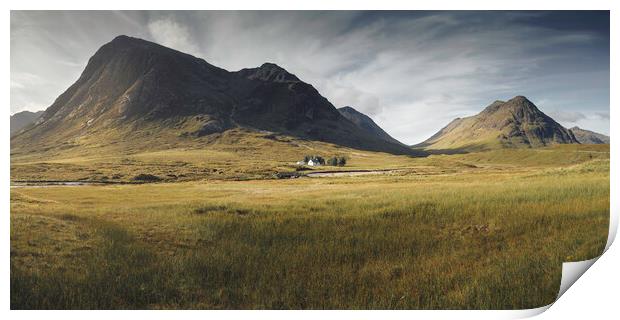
(411,71)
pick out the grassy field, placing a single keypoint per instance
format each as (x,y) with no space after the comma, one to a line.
(473,231)
(241,155)
(235,155)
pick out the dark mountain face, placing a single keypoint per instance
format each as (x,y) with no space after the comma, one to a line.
(133,83)
(23,119)
(365,123)
(589,137)
(514,123)
(271,98)
(131,79)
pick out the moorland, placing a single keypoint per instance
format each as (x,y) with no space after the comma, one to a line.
(160,181)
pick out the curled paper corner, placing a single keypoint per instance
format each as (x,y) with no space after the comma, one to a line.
(528,313)
(572,271)
(613,230)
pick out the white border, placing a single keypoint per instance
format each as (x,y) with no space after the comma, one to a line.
(604,285)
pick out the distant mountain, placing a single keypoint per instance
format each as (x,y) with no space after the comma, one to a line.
(589,137)
(365,123)
(135,89)
(22,119)
(513,123)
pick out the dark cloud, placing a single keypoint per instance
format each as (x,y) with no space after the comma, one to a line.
(410,70)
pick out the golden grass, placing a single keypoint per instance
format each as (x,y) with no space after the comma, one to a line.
(475,231)
(235,154)
(245,155)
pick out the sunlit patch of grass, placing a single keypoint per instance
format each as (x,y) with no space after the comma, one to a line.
(233,155)
(491,236)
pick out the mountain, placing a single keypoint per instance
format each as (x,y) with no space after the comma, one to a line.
(513,123)
(365,123)
(22,119)
(589,137)
(132,89)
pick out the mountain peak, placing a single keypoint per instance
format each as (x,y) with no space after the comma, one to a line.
(23,119)
(271,66)
(123,37)
(520,99)
(127,46)
(124,41)
(589,137)
(514,123)
(269,72)
(366,123)
(520,105)
(132,85)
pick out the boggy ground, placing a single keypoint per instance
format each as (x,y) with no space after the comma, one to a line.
(473,231)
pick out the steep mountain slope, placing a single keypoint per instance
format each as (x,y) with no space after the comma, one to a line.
(514,123)
(134,90)
(589,137)
(22,119)
(365,123)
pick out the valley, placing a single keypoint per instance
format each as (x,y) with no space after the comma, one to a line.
(444,231)
(160,181)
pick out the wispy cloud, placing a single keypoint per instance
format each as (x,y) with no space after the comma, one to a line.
(602,115)
(172,34)
(71,64)
(592,120)
(568,116)
(411,71)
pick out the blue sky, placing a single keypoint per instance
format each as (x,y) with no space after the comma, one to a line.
(411,71)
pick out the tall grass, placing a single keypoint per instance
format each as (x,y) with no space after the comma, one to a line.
(476,240)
